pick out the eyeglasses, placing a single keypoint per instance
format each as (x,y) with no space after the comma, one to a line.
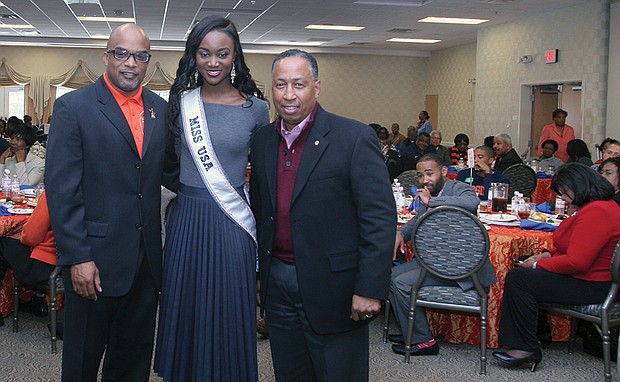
(123,55)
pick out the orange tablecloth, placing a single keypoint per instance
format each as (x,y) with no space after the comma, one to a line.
(506,242)
(543,192)
(10,226)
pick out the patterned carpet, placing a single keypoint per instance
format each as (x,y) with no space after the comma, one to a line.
(25,356)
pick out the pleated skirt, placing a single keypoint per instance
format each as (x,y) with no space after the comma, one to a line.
(207,316)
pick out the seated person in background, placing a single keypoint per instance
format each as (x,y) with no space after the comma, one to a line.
(389,152)
(578,152)
(36,265)
(424,125)
(11,124)
(547,160)
(482,175)
(412,134)
(506,156)
(438,191)
(396,138)
(610,169)
(4,143)
(574,271)
(459,150)
(442,151)
(612,150)
(603,147)
(410,154)
(18,159)
(488,141)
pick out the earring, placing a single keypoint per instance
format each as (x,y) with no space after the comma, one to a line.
(233,75)
(196,76)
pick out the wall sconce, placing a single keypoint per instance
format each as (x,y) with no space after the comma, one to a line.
(472,80)
(525,59)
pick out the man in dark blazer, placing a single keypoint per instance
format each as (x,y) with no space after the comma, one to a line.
(506,156)
(105,163)
(438,191)
(326,219)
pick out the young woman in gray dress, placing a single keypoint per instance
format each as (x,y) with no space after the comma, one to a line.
(207,318)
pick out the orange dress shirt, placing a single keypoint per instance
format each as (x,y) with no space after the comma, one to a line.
(133,109)
(37,233)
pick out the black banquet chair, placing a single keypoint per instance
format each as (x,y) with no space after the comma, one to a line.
(50,286)
(522,178)
(451,244)
(603,315)
(407,179)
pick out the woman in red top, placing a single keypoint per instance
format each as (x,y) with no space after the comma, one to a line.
(574,272)
(34,259)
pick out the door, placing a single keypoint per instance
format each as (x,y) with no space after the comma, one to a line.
(544,102)
(431,105)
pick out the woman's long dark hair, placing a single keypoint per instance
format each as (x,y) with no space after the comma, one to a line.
(187,66)
(577,149)
(583,181)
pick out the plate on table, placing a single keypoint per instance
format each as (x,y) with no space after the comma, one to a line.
(32,203)
(506,221)
(552,221)
(499,217)
(30,192)
(20,211)
(402,219)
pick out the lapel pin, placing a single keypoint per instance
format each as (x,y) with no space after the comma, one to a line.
(152,113)
(316,143)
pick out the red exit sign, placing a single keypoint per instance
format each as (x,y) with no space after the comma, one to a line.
(551,56)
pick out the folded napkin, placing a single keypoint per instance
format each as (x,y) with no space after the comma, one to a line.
(26,187)
(542,175)
(453,170)
(544,207)
(540,226)
(4,211)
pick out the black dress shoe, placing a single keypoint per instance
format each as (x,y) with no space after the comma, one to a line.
(415,350)
(396,338)
(533,359)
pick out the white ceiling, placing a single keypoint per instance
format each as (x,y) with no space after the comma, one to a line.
(263,21)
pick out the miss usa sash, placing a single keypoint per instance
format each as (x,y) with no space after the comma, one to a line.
(199,143)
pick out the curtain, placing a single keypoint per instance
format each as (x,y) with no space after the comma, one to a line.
(41,90)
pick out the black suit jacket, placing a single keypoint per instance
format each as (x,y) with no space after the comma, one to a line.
(104,200)
(343,217)
(510,158)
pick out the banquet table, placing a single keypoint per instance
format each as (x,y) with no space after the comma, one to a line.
(543,192)
(505,242)
(10,226)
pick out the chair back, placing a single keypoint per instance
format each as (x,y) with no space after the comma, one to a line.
(615,265)
(450,242)
(522,178)
(407,179)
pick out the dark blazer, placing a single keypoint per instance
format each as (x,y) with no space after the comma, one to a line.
(510,158)
(104,200)
(343,217)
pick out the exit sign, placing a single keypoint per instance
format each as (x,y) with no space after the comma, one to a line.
(551,56)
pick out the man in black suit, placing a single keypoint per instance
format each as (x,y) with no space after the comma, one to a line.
(506,156)
(325,218)
(105,161)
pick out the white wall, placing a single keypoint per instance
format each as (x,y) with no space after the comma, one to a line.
(581,35)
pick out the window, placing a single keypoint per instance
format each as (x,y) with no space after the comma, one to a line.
(61,91)
(12,101)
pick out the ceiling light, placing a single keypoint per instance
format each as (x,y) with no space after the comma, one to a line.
(331,27)
(108,19)
(294,43)
(413,40)
(16,26)
(452,20)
